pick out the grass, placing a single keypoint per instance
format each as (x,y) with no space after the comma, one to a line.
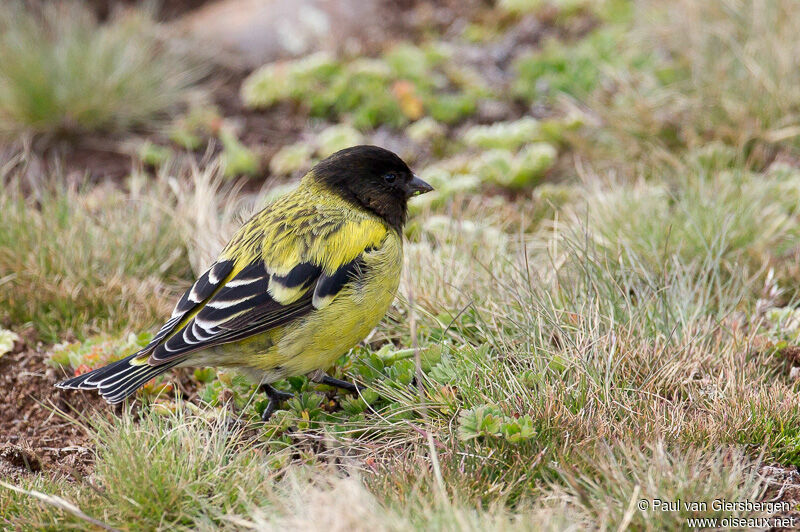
(124,255)
(745,55)
(61,73)
(604,349)
(152,474)
(697,73)
(622,334)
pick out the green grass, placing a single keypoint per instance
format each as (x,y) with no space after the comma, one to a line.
(61,72)
(79,262)
(153,474)
(617,359)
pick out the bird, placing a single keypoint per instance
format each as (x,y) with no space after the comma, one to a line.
(298,285)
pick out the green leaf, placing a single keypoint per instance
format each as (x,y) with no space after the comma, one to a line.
(479,421)
(519,430)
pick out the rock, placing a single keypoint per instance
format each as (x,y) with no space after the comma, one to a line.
(255,32)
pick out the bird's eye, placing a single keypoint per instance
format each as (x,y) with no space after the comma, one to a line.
(390,177)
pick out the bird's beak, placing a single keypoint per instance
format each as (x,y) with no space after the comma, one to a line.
(417,186)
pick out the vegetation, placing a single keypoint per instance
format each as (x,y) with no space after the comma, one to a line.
(63,73)
(598,304)
(393,90)
(80,262)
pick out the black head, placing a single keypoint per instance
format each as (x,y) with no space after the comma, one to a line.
(373,178)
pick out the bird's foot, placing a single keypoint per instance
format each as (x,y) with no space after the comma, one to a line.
(326,379)
(275,398)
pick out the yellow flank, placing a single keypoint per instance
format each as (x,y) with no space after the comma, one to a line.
(312,225)
(285,295)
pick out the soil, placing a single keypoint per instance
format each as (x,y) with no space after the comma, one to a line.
(268,129)
(41,429)
(784,486)
(34,434)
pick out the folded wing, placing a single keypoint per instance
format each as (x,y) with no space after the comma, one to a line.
(270,274)
(238,307)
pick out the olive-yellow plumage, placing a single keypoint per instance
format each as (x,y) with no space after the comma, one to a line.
(319,338)
(298,285)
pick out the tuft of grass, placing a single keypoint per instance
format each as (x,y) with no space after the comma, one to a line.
(735,69)
(77,263)
(62,72)
(159,478)
(153,475)
(724,223)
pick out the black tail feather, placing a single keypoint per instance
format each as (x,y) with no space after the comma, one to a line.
(117,380)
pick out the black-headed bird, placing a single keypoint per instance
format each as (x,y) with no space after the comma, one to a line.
(298,285)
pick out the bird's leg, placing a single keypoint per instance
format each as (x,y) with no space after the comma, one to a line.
(275,398)
(323,378)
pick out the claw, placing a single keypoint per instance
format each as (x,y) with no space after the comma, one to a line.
(275,399)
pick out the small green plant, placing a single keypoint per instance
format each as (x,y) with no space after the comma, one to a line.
(446,183)
(283,80)
(63,72)
(488,421)
(532,162)
(782,324)
(480,422)
(425,129)
(96,352)
(507,135)
(402,86)
(154,155)
(307,408)
(526,168)
(519,7)
(335,138)
(573,70)
(291,159)
(7,340)
(190,130)
(236,158)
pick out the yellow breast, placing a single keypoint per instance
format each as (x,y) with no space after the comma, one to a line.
(325,335)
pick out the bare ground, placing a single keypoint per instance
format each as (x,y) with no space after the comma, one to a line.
(35,436)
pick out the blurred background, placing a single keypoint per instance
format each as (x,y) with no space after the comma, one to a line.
(604,283)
